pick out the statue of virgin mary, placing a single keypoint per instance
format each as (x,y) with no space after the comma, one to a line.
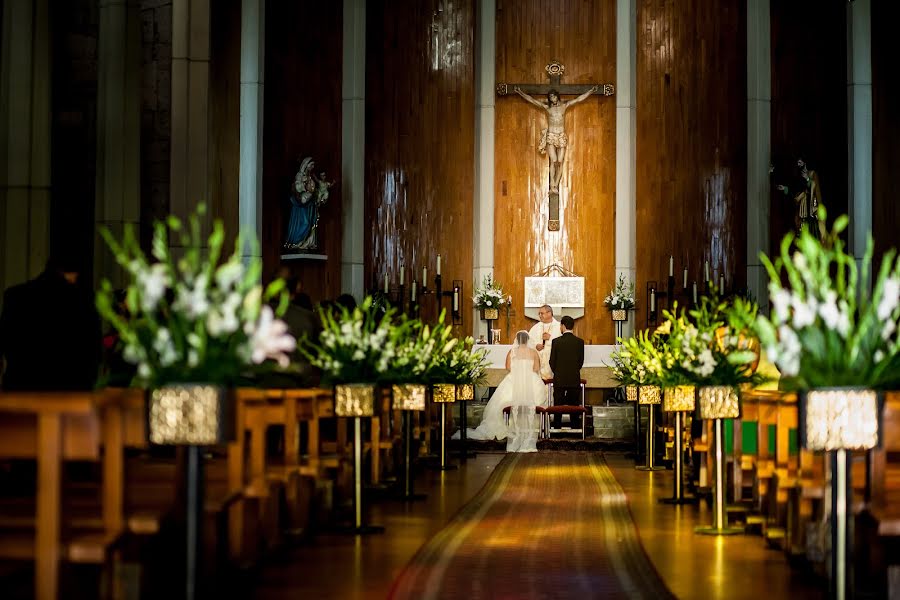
(308,193)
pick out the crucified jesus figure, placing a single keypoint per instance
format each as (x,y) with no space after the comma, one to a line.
(553,137)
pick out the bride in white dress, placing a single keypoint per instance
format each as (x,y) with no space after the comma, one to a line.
(522,389)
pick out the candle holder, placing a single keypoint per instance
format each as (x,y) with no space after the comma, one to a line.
(454,295)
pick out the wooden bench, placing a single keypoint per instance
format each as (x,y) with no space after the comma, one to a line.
(52,427)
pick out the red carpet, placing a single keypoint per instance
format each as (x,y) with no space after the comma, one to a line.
(546,525)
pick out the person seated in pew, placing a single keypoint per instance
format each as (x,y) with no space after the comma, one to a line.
(50,329)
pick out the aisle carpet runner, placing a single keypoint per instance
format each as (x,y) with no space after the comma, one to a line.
(546,525)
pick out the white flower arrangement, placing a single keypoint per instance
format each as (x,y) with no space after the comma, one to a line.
(355,346)
(489,294)
(194,319)
(622,295)
(825,327)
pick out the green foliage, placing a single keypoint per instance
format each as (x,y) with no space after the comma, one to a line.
(197,318)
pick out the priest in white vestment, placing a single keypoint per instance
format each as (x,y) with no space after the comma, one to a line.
(542,335)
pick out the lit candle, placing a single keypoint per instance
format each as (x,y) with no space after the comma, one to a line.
(401,275)
(652,300)
(386,282)
(695,292)
(706,271)
(671,266)
(455,299)
(439,264)
(685,278)
(425,276)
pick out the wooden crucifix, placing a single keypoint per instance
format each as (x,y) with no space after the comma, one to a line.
(553,138)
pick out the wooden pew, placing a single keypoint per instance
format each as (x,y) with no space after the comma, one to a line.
(884,475)
(53,427)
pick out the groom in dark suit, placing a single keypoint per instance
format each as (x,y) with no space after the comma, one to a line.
(566,360)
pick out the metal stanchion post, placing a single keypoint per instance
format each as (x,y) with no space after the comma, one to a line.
(720,521)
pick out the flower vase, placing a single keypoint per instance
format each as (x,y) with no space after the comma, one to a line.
(354,400)
(490,314)
(719,402)
(409,396)
(190,414)
(838,418)
(619,314)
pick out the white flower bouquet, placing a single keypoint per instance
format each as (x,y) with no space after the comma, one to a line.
(621,297)
(489,295)
(826,328)
(455,362)
(197,318)
(356,346)
(715,347)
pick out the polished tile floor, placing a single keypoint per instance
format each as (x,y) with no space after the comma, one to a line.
(348,567)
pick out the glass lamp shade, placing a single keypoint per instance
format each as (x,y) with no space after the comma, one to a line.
(648,394)
(190,415)
(444,393)
(678,399)
(465,392)
(719,402)
(409,396)
(354,400)
(839,419)
(631,393)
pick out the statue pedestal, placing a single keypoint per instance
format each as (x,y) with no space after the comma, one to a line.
(300,256)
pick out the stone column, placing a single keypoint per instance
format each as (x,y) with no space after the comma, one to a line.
(24,140)
(483,213)
(859,124)
(118,195)
(253,42)
(353,128)
(759,145)
(626,134)
(189,183)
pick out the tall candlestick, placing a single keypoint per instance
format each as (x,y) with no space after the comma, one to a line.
(401,275)
(385,282)
(706,271)
(652,300)
(455,299)
(685,278)
(439,264)
(671,266)
(695,292)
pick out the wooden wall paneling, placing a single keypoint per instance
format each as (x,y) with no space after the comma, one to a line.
(302,118)
(420,138)
(224,114)
(809,104)
(691,142)
(582,36)
(885,127)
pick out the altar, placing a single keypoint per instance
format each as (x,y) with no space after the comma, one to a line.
(596,369)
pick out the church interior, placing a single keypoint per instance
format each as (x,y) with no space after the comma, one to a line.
(449,299)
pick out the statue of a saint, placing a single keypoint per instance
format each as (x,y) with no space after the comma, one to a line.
(807,195)
(553,137)
(309,192)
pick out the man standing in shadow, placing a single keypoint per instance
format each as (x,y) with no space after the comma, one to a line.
(566,360)
(50,330)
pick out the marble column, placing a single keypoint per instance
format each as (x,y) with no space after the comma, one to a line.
(189,166)
(118,195)
(759,145)
(24,141)
(626,134)
(353,127)
(253,42)
(859,124)
(483,213)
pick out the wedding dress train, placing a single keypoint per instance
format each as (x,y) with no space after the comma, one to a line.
(522,389)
